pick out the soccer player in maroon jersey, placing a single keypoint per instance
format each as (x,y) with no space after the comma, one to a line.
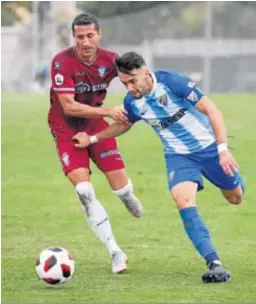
(80,77)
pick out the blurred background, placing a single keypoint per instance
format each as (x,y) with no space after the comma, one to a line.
(212,42)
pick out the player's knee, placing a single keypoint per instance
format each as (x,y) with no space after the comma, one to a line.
(235,199)
(182,200)
(85,192)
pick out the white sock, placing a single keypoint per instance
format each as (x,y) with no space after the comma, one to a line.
(96,216)
(125,192)
(126,195)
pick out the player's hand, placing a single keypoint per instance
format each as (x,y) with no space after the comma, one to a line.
(81,139)
(119,114)
(228,163)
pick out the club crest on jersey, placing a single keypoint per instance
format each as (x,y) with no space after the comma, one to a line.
(101,71)
(163,100)
(193,97)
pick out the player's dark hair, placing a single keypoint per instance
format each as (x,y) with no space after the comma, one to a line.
(129,61)
(85,19)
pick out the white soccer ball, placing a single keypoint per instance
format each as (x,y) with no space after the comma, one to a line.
(55,265)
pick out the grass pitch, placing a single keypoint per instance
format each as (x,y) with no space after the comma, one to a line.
(40,209)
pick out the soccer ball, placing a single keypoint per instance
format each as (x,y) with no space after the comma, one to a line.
(55,265)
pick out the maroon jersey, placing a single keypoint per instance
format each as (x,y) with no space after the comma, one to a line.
(87,82)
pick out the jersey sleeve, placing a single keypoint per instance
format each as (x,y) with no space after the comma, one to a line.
(132,117)
(62,82)
(183,87)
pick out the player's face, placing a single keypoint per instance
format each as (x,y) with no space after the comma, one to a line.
(87,40)
(138,82)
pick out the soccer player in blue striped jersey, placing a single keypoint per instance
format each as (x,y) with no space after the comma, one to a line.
(194,137)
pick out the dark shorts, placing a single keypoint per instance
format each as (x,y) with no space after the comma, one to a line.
(104,154)
(191,167)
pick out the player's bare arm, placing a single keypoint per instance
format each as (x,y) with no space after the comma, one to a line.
(76,109)
(207,107)
(83,140)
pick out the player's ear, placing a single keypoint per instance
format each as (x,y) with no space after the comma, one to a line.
(100,33)
(146,71)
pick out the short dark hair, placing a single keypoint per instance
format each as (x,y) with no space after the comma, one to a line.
(129,61)
(85,19)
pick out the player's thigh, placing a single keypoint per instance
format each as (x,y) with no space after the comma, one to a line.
(106,155)
(74,161)
(213,171)
(79,175)
(117,179)
(180,168)
(184,179)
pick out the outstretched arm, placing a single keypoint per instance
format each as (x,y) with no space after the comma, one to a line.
(207,107)
(73,108)
(83,140)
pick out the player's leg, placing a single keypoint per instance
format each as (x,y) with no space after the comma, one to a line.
(234,196)
(232,187)
(124,190)
(96,216)
(107,157)
(184,181)
(75,163)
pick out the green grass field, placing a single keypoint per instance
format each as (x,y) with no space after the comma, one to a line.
(40,209)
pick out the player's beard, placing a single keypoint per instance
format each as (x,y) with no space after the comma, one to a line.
(137,97)
(142,91)
(137,94)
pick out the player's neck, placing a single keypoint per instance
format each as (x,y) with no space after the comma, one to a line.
(87,60)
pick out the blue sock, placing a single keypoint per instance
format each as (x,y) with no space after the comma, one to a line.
(198,234)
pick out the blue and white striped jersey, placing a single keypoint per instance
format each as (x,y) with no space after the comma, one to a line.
(169,110)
